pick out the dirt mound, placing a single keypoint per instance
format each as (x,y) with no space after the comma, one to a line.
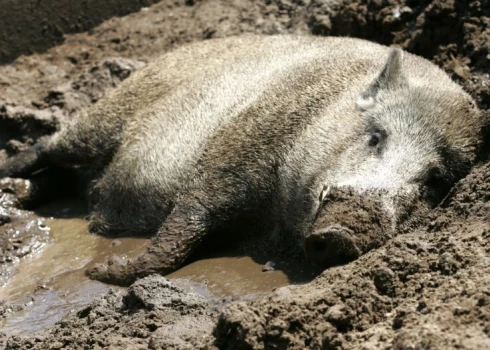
(425,289)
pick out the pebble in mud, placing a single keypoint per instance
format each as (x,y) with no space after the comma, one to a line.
(385,281)
(269,266)
(447,264)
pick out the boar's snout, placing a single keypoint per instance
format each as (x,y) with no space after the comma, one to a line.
(330,246)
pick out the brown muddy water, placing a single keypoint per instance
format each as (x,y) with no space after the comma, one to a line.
(51,283)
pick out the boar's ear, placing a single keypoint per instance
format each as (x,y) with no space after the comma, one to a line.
(391,77)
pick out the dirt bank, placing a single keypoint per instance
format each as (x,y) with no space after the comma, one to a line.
(424,289)
(34,26)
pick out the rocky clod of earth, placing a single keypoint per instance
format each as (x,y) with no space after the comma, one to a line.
(425,289)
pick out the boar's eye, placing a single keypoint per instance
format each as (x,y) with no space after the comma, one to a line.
(375,139)
(376,136)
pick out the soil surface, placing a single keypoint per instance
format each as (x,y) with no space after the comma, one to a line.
(426,289)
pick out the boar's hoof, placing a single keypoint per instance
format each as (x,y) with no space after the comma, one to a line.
(124,272)
(330,246)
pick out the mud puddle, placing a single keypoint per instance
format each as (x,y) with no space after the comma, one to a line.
(51,284)
(240,277)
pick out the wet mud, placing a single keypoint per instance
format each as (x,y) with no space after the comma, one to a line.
(427,288)
(229,277)
(22,232)
(152,313)
(50,283)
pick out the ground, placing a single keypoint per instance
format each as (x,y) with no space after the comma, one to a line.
(426,289)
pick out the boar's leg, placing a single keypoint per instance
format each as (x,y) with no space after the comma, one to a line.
(179,236)
(226,198)
(25,163)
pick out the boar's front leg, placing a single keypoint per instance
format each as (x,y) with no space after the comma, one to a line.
(179,236)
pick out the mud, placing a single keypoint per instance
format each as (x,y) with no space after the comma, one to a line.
(49,283)
(34,26)
(154,313)
(428,288)
(231,277)
(21,232)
